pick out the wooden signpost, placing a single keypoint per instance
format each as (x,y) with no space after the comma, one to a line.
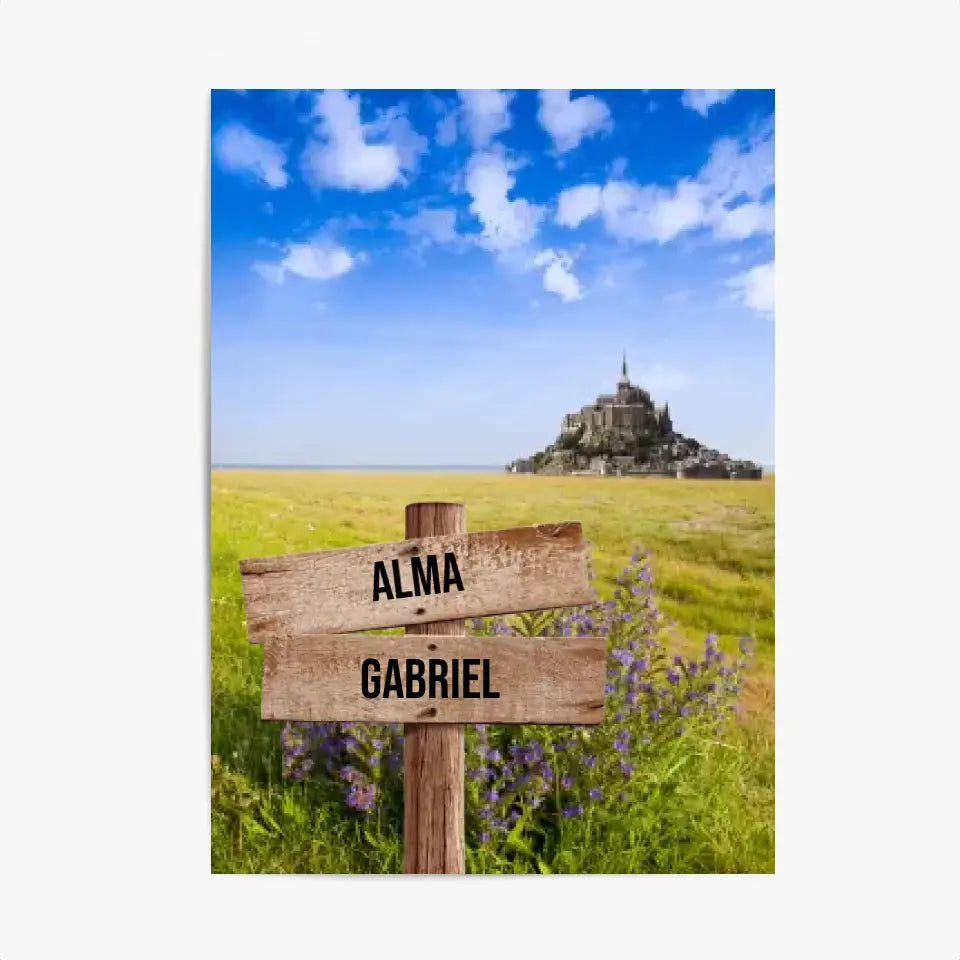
(303,607)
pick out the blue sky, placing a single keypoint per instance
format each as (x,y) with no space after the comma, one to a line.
(436,277)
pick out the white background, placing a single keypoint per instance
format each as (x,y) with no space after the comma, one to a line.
(105,819)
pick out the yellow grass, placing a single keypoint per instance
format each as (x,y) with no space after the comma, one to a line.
(712,541)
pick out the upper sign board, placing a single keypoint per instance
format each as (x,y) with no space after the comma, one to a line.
(415,581)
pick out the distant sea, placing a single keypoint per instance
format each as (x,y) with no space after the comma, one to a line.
(371,467)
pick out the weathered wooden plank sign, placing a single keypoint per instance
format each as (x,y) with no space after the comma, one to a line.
(304,607)
(414,581)
(413,679)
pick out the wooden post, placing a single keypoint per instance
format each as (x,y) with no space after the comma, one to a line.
(433,838)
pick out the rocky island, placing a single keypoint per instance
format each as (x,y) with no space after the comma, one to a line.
(625,433)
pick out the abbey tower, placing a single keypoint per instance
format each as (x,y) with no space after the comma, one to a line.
(617,418)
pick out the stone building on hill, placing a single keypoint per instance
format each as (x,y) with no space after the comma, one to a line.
(626,433)
(630,412)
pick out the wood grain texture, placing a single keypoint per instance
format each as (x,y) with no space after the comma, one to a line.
(433,829)
(331,591)
(539,679)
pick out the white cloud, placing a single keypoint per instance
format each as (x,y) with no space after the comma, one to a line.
(352,155)
(273,272)
(744,221)
(437,224)
(677,296)
(568,120)
(703,100)
(755,287)
(485,114)
(559,280)
(743,169)
(240,150)
(317,259)
(395,128)
(633,212)
(507,223)
(577,204)
(726,196)
(672,214)
(510,225)
(557,275)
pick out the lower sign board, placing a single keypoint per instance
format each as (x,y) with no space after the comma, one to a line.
(430,679)
(416,581)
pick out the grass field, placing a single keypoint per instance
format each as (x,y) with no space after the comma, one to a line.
(712,546)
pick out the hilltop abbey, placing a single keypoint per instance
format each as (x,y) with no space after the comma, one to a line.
(626,433)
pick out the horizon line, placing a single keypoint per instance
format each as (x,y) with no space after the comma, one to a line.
(352,466)
(368,466)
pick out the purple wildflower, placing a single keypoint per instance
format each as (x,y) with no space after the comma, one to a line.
(362,797)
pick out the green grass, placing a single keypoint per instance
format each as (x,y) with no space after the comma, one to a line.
(713,563)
